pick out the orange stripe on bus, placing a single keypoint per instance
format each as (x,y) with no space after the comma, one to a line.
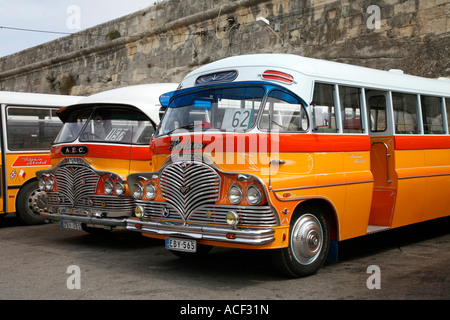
(411,142)
(283,142)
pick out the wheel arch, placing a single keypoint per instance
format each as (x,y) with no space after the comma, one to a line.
(328,209)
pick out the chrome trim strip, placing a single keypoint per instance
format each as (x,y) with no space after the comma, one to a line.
(425,176)
(197,232)
(324,185)
(85,219)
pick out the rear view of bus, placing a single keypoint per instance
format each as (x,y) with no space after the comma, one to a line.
(104,138)
(28,126)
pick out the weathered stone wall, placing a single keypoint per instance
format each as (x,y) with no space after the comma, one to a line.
(167,40)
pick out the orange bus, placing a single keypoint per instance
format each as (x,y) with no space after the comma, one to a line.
(28,127)
(292,155)
(105,137)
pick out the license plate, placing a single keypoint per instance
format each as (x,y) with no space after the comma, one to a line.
(181,244)
(71,225)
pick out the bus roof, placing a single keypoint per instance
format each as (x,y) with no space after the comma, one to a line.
(37,99)
(144,96)
(249,68)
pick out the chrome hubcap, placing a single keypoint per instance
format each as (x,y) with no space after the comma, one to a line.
(306,239)
(37,201)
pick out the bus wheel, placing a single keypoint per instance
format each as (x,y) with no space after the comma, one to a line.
(30,202)
(309,241)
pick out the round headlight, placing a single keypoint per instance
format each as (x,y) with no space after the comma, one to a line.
(119,188)
(42,184)
(49,184)
(150,191)
(254,195)
(235,194)
(232,218)
(137,191)
(109,187)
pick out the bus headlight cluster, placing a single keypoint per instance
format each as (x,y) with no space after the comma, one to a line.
(118,187)
(138,191)
(47,183)
(253,194)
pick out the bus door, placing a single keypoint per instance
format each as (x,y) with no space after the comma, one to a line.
(381,159)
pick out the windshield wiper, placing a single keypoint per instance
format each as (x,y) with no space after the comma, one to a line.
(188,126)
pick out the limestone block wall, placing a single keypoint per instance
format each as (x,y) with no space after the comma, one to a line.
(164,42)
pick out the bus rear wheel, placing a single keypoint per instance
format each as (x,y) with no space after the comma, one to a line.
(30,202)
(309,241)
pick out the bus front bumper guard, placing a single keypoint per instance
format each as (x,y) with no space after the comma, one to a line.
(249,236)
(109,222)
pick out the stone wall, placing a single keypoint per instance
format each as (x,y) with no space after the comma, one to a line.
(167,40)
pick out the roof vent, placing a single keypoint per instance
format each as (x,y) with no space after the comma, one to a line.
(399,71)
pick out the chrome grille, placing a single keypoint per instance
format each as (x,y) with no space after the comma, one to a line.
(74,182)
(77,184)
(187,186)
(249,216)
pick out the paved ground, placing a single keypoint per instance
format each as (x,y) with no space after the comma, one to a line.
(413,263)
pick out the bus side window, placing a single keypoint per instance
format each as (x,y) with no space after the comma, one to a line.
(350,99)
(432,115)
(376,102)
(31,128)
(405,113)
(324,117)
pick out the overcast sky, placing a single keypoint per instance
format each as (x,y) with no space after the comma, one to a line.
(67,16)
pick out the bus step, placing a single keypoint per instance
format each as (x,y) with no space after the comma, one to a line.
(374,229)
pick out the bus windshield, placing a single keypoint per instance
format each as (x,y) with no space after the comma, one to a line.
(107,124)
(224,109)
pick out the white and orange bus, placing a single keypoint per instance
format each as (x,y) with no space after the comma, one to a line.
(28,127)
(290,154)
(104,138)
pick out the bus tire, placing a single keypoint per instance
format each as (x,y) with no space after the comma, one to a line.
(309,241)
(30,201)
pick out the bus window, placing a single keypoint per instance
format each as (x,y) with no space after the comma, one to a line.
(288,114)
(376,102)
(73,125)
(31,129)
(432,115)
(350,99)
(405,113)
(118,126)
(323,108)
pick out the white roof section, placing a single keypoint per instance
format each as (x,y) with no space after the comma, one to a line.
(144,96)
(250,66)
(37,99)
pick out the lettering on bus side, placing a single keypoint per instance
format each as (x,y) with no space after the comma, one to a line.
(74,150)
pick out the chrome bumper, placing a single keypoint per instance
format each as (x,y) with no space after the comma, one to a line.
(110,222)
(200,232)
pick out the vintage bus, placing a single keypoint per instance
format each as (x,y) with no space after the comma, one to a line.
(294,154)
(28,127)
(104,138)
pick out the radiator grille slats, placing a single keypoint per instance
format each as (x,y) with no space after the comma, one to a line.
(189,185)
(77,185)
